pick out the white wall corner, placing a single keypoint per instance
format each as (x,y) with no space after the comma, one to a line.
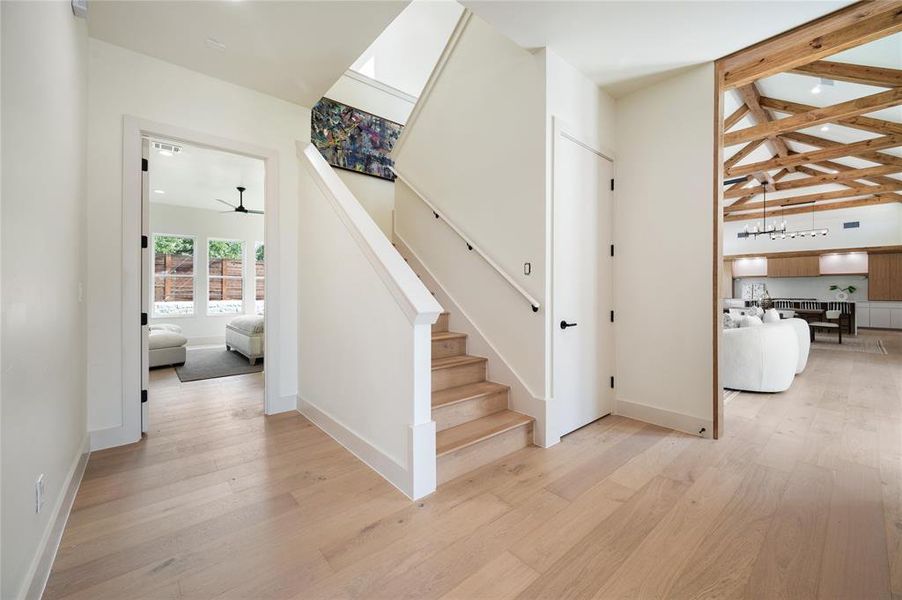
(113,436)
(39,572)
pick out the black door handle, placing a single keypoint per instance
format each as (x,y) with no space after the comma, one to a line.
(565,324)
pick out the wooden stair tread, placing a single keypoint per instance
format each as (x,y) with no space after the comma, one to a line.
(473,432)
(440,336)
(456,361)
(466,392)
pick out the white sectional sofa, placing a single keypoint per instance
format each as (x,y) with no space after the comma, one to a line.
(167,345)
(764,358)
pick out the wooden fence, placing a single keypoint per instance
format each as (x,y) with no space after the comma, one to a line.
(174,278)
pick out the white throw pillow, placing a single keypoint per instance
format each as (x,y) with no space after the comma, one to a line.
(749,321)
(771,316)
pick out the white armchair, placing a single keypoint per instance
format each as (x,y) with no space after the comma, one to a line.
(760,359)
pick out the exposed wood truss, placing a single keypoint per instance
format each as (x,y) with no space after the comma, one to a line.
(837,71)
(783,125)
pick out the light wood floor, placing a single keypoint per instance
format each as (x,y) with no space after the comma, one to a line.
(802,499)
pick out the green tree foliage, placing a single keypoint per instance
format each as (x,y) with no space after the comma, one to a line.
(225,249)
(260,254)
(170,244)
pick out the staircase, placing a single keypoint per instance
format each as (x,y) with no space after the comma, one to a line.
(473,424)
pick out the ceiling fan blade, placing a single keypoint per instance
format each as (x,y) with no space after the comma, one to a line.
(226,203)
(255,212)
(226,212)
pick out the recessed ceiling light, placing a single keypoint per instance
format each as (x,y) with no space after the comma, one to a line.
(159,191)
(816,89)
(825,128)
(215,44)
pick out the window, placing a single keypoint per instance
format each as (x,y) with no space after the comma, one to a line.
(259,277)
(173,275)
(225,261)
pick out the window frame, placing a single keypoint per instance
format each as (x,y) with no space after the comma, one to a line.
(257,278)
(209,277)
(153,275)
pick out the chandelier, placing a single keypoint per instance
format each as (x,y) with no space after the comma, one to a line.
(778,231)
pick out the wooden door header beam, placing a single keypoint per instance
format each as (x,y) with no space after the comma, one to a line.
(846,28)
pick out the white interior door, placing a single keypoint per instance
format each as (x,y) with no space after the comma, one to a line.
(582,338)
(146,283)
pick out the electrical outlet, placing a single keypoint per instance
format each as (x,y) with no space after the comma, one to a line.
(39,493)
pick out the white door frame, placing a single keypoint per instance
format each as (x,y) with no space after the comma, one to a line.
(561,130)
(134,128)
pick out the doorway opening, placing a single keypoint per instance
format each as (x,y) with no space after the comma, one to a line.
(203,273)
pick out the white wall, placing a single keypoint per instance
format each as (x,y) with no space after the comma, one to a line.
(364,332)
(663,206)
(376,195)
(405,52)
(44,93)
(165,93)
(487,175)
(204,225)
(806,287)
(881,225)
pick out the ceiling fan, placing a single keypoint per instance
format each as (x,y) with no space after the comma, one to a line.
(240,208)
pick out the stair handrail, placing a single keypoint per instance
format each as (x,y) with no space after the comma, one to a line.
(471,245)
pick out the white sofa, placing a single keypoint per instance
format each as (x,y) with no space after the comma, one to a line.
(245,335)
(167,345)
(764,358)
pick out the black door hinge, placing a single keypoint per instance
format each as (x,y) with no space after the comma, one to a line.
(612,185)
(143,396)
(144,241)
(144,165)
(612,382)
(143,319)
(612,249)
(612,316)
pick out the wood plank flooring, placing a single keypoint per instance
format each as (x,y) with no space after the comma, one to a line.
(801,499)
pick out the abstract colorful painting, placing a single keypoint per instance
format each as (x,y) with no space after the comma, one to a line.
(352,139)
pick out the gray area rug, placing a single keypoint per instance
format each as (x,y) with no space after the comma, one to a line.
(857,343)
(210,363)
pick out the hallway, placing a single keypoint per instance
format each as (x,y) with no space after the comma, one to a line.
(802,499)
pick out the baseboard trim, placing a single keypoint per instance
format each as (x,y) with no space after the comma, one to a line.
(110,438)
(39,572)
(282,404)
(377,460)
(664,418)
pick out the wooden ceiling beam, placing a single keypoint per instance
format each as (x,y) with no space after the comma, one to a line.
(856,149)
(846,28)
(817,116)
(863,123)
(751,98)
(770,188)
(863,190)
(735,117)
(742,153)
(873,201)
(817,178)
(863,74)
(818,142)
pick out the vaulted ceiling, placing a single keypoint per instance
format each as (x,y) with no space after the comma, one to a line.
(824,136)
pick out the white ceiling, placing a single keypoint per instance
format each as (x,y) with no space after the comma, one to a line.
(290,50)
(624,46)
(196,176)
(404,55)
